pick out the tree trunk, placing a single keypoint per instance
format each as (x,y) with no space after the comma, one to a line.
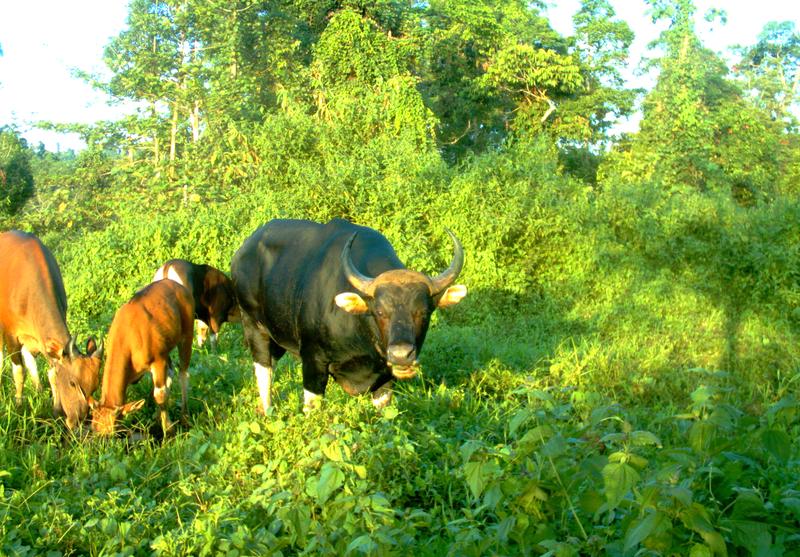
(173,132)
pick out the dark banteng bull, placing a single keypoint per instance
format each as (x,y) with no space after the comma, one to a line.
(214,300)
(33,319)
(337,296)
(144,331)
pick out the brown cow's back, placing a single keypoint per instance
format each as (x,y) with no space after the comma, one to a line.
(33,302)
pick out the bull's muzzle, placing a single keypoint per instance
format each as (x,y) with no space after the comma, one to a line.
(402,358)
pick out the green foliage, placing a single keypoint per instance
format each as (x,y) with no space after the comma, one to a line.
(769,69)
(16,179)
(620,380)
(698,129)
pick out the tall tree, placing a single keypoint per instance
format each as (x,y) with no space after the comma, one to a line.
(698,129)
(770,70)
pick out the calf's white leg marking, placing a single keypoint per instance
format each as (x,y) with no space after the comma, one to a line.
(202,333)
(19,381)
(160,394)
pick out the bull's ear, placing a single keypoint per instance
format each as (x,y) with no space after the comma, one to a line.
(452,295)
(351,303)
(91,345)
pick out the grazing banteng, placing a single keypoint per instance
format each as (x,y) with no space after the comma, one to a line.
(301,288)
(33,319)
(144,331)
(214,300)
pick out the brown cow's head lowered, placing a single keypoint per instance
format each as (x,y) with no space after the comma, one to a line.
(220,299)
(73,378)
(401,302)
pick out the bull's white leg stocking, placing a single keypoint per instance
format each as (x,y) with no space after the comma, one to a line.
(264,380)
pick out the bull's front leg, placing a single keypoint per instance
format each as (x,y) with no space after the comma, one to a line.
(382,396)
(265,355)
(315,379)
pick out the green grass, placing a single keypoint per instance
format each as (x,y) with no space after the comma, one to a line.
(480,456)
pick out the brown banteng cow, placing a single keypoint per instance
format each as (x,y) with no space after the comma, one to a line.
(214,299)
(144,331)
(33,319)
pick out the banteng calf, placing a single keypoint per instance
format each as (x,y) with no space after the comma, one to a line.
(214,299)
(144,331)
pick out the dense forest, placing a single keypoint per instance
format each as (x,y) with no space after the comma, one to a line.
(621,379)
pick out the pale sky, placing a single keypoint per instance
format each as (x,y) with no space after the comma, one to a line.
(43,40)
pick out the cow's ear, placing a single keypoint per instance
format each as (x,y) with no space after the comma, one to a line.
(91,345)
(130,407)
(55,349)
(452,295)
(351,303)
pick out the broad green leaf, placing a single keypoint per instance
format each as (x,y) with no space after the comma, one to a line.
(792,503)
(555,446)
(637,461)
(532,497)
(641,528)
(258,469)
(537,435)
(701,435)
(519,418)
(778,443)
(618,480)
(748,504)
(330,479)
(696,518)
(700,550)
(468,448)
(332,451)
(644,438)
(751,535)
(362,544)
(478,474)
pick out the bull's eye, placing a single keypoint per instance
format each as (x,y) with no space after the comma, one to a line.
(72,384)
(380,313)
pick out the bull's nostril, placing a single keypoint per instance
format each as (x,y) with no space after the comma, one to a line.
(402,353)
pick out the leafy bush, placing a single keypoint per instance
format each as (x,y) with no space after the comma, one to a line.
(16,179)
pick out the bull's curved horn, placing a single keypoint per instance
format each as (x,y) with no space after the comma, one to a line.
(354,277)
(446,278)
